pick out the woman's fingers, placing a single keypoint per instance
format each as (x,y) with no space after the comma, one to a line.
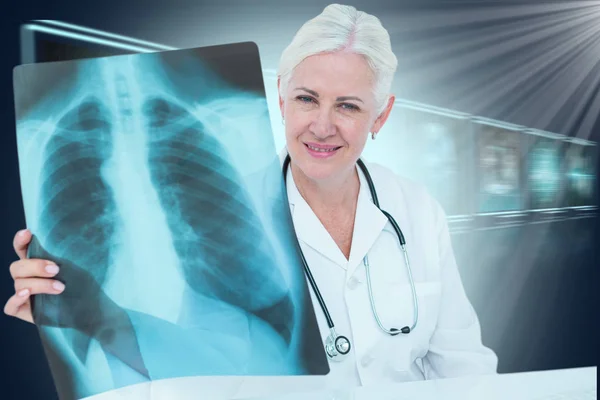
(19,306)
(39,286)
(31,276)
(21,242)
(32,268)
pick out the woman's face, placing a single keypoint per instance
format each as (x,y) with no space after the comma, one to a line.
(329,110)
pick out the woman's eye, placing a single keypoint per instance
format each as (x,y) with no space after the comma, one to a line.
(350,107)
(304,99)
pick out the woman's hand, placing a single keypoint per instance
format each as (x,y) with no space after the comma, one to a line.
(87,309)
(31,276)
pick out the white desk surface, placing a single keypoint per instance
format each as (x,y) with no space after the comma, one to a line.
(553,384)
(539,385)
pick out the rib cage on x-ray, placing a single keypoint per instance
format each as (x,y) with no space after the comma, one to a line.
(80,202)
(222,250)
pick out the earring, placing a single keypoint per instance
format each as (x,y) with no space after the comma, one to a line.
(373,134)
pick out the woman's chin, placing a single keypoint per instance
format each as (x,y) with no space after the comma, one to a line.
(318,171)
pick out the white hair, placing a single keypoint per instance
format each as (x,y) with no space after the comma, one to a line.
(343,28)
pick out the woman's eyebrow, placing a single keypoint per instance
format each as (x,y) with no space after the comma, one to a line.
(308,90)
(342,98)
(345,98)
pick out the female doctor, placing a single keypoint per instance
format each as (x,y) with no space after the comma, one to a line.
(334,83)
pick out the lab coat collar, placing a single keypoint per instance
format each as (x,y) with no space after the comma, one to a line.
(368,224)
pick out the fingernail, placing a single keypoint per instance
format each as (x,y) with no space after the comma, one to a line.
(58,286)
(52,269)
(22,232)
(24,292)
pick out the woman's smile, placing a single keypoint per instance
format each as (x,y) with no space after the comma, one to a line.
(321,150)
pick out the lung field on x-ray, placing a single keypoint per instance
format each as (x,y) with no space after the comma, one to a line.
(79,213)
(207,208)
(140,202)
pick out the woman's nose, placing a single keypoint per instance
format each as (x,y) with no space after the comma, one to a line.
(323,125)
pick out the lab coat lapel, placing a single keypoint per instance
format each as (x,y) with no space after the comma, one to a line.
(368,225)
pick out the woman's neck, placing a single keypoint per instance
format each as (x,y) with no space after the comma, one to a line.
(339,193)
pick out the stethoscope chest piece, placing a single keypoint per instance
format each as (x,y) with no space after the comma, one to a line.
(337,347)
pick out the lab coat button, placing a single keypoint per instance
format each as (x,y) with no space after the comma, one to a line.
(353,283)
(366,360)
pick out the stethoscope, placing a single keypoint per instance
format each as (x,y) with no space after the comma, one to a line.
(338,346)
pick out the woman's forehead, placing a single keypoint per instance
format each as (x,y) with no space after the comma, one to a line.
(333,73)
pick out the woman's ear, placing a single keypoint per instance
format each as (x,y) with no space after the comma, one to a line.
(380,121)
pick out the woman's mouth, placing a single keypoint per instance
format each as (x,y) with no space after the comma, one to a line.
(321,150)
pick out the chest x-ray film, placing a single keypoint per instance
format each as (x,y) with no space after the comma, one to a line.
(153,182)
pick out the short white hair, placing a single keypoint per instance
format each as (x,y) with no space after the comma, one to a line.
(343,28)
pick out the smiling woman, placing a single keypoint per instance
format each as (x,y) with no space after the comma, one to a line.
(334,84)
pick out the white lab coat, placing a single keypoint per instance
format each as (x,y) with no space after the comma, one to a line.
(446,341)
(447,338)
